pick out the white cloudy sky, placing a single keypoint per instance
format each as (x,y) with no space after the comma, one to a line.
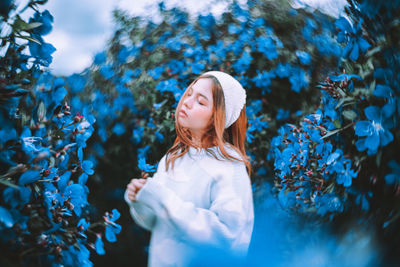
(82,27)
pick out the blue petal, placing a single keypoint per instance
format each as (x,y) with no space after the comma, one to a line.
(62,183)
(80,154)
(354,52)
(343,24)
(99,246)
(372,142)
(373,113)
(29,176)
(83,179)
(115,215)
(6,218)
(110,235)
(87,166)
(382,91)
(364,45)
(394,166)
(363,128)
(59,95)
(385,137)
(392,179)
(389,108)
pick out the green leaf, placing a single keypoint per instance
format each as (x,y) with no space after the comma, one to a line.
(29,38)
(19,24)
(331,133)
(349,114)
(337,124)
(41,112)
(8,183)
(343,100)
(32,25)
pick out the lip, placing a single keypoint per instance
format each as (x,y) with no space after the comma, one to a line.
(182,113)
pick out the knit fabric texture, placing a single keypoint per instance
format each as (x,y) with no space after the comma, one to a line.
(234,95)
(200,212)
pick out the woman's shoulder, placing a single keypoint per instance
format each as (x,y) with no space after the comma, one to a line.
(231,151)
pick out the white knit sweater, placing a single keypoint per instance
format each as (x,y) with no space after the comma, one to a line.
(203,205)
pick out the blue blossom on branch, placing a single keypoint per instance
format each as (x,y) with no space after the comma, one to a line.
(375,132)
(352,36)
(144,166)
(112,228)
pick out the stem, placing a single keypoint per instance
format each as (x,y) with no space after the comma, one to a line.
(6,182)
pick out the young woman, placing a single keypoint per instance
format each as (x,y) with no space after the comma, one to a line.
(200,199)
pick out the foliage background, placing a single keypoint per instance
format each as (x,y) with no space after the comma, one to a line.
(323,109)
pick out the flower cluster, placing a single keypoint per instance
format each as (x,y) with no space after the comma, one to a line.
(43,193)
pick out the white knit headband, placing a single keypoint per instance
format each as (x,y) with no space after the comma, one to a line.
(234,95)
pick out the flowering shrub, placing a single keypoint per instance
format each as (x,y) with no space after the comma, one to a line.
(341,159)
(44,213)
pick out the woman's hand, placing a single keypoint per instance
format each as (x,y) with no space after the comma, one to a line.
(133,188)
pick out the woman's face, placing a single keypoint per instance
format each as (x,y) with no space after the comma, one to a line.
(197,107)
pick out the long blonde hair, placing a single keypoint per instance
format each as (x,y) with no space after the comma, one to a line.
(215,134)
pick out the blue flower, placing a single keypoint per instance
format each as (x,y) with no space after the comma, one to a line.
(7,134)
(144,166)
(76,83)
(267,46)
(159,136)
(46,19)
(6,218)
(243,63)
(304,57)
(42,52)
(28,177)
(87,167)
(253,108)
(375,130)
(137,135)
(63,181)
(345,176)
(384,91)
(170,85)
(83,224)
(328,203)
(156,72)
(107,72)
(112,228)
(282,114)
(197,68)
(99,246)
(362,200)
(263,80)
(394,177)
(100,58)
(176,66)
(256,124)
(118,129)
(353,37)
(298,79)
(77,195)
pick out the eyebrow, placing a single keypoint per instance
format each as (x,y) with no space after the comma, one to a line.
(200,94)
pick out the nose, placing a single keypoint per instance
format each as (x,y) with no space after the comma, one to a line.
(188,102)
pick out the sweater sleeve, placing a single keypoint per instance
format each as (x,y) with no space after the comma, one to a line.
(229,220)
(141,213)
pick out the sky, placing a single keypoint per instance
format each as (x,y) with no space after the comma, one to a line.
(82,28)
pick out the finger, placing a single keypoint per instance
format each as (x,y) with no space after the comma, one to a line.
(132,197)
(131,187)
(139,183)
